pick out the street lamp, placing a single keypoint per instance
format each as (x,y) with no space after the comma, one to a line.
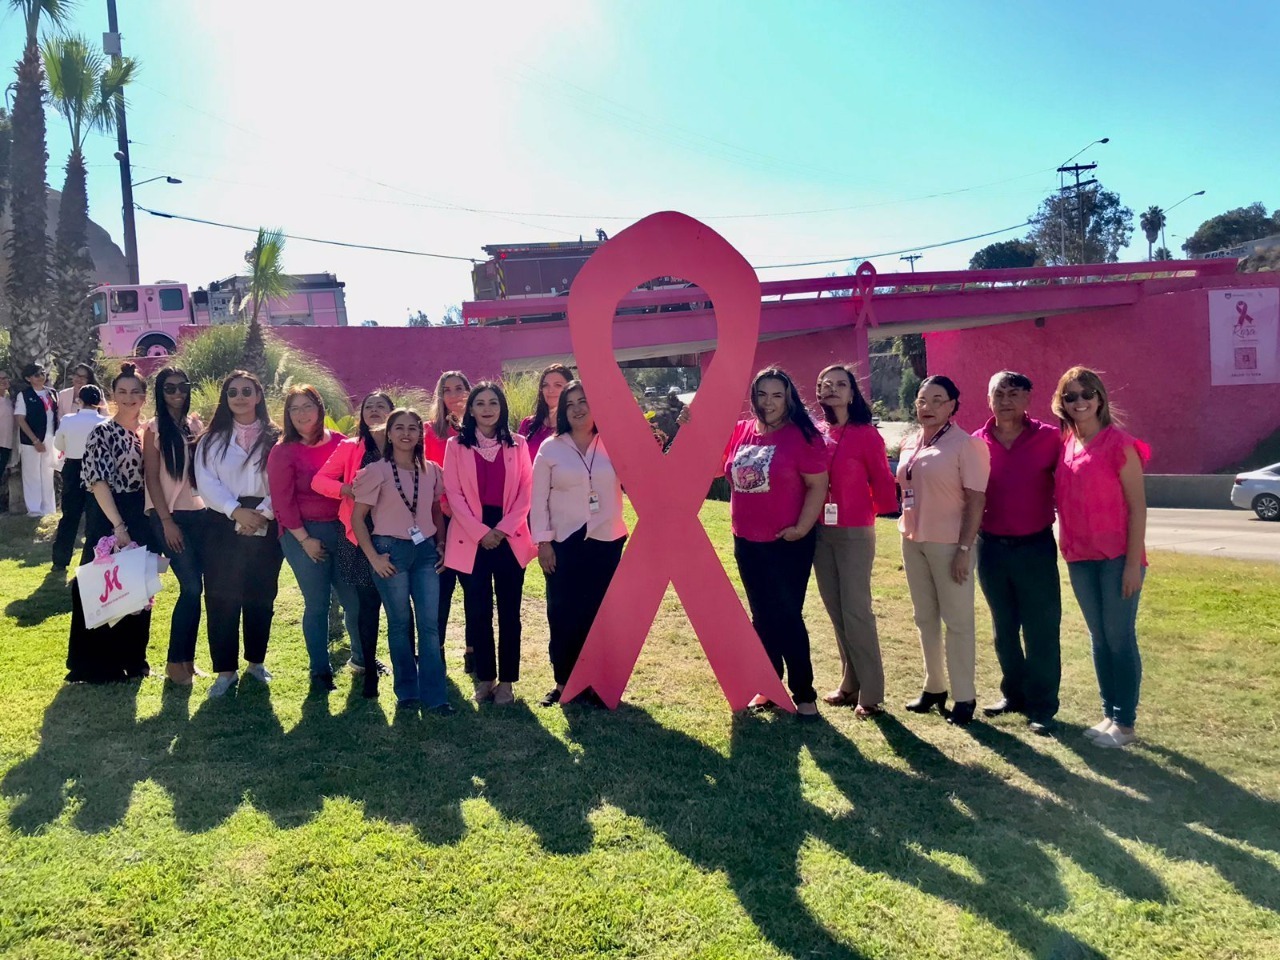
(1198,193)
(1062,220)
(166,179)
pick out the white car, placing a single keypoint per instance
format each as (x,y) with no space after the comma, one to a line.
(1259,491)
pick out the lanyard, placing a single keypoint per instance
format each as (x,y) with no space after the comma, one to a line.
(925,446)
(590,466)
(413,507)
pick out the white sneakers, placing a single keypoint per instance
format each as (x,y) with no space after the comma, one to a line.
(258,671)
(1109,735)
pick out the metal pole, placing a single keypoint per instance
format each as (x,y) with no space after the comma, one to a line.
(122,153)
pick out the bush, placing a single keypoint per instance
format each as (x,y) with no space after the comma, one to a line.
(522,395)
(907,392)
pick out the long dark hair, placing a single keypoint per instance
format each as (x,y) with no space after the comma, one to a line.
(562,409)
(222,426)
(365,434)
(796,411)
(859,412)
(467,435)
(542,410)
(396,414)
(174,437)
(440,412)
(91,377)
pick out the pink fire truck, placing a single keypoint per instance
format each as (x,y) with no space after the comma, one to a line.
(148,320)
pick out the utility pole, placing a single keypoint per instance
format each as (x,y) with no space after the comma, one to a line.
(912,258)
(111,45)
(1077,169)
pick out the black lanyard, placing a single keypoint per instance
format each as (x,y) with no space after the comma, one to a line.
(413,507)
(590,466)
(925,446)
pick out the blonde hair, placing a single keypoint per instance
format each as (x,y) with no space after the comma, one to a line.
(1089,380)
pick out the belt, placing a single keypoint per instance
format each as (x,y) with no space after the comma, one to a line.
(1017,541)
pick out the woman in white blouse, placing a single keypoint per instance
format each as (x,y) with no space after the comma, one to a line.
(576,520)
(242,574)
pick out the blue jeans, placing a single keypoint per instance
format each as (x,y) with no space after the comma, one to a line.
(413,594)
(1112,622)
(188,568)
(318,581)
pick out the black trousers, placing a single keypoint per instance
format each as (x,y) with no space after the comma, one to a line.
(1019,578)
(105,654)
(775,576)
(73,503)
(497,573)
(241,579)
(584,569)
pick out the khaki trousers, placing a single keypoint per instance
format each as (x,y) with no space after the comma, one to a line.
(938,600)
(842,565)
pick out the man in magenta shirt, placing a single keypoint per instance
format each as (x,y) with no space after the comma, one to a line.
(1018,559)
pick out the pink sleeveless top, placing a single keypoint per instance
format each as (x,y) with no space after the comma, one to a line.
(1093,517)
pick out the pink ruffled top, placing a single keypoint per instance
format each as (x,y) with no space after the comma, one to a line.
(1093,517)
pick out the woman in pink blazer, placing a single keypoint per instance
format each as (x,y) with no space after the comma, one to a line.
(488,480)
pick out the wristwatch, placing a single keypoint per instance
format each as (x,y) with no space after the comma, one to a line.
(964,548)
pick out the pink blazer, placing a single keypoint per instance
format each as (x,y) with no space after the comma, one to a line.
(463,490)
(340,468)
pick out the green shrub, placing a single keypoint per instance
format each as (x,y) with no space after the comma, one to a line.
(522,396)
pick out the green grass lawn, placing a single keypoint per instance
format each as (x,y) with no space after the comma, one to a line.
(144,821)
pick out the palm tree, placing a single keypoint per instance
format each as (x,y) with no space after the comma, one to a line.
(27,245)
(84,86)
(1151,222)
(267,281)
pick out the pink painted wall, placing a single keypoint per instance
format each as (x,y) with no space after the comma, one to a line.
(367,357)
(1153,357)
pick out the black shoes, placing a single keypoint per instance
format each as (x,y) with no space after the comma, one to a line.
(1041,728)
(962,713)
(1002,706)
(322,683)
(551,698)
(442,710)
(927,701)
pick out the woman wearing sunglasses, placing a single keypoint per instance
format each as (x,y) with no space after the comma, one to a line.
(943,473)
(242,576)
(176,512)
(1102,525)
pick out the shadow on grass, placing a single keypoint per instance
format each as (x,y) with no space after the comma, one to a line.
(50,599)
(959,833)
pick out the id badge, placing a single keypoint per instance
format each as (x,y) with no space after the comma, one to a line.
(593,502)
(908,499)
(416,535)
(830,514)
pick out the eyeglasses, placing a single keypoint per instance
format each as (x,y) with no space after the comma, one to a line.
(307,407)
(925,402)
(171,389)
(1085,394)
(233,392)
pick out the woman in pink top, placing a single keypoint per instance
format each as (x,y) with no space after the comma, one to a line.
(452,390)
(336,480)
(177,513)
(541,426)
(488,479)
(401,495)
(776,463)
(943,474)
(860,487)
(1102,525)
(309,527)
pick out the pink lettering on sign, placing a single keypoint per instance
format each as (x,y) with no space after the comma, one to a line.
(111,581)
(668,544)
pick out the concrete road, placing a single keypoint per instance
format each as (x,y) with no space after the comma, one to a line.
(1215,533)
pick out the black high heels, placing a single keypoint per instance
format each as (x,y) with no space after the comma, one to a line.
(962,713)
(927,701)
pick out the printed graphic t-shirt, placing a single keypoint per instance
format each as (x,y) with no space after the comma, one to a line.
(765,472)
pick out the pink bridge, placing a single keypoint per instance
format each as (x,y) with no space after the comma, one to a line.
(1143,325)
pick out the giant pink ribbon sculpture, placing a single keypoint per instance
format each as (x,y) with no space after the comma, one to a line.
(669,544)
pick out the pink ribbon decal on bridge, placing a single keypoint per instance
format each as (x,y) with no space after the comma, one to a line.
(865,287)
(1242,308)
(668,544)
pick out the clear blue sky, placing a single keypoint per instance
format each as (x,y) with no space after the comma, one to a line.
(312,117)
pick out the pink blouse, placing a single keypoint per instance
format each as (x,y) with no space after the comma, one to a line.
(1093,516)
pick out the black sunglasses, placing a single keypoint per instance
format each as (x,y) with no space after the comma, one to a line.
(1085,394)
(233,392)
(174,388)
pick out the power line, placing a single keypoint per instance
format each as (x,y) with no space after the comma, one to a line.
(294,236)
(890,253)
